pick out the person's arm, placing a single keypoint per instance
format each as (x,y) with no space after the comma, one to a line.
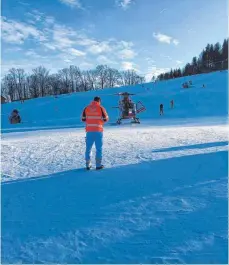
(104,114)
(83,118)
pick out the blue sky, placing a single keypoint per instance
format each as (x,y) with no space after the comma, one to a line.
(150,36)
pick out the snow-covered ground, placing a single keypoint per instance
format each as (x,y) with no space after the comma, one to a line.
(40,153)
(65,111)
(161,199)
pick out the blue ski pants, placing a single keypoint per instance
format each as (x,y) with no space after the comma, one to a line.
(91,138)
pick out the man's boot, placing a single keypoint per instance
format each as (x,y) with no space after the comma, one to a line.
(88,165)
(99,164)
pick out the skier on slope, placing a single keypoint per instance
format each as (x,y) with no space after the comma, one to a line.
(94,115)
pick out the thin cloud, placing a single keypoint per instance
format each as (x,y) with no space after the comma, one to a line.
(23,3)
(50,46)
(124,49)
(124,4)
(150,60)
(26,64)
(127,54)
(72,3)
(191,30)
(165,38)
(166,56)
(121,49)
(36,16)
(85,41)
(163,10)
(129,66)
(102,59)
(86,65)
(176,42)
(162,38)
(154,71)
(126,44)
(18,32)
(76,52)
(61,37)
(30,21)
(13,49)
(56,38)
(49,20)
(31,53)
(65,44)
(100,47)
(67,61)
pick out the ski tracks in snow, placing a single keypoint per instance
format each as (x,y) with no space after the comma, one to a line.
(116,228)
(143,229)
(34,154)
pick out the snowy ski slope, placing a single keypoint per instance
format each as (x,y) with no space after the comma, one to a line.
(66,110)
(161,199)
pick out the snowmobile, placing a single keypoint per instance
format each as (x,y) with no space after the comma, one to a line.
(127,109)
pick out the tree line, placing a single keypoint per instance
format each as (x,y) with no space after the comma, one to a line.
(19,85)
(212,58)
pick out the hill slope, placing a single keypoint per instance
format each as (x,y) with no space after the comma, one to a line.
(189,103)
(161,199)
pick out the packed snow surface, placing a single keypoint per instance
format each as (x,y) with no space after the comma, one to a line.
(162,197)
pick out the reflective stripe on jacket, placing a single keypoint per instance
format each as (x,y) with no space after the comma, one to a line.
(94,115)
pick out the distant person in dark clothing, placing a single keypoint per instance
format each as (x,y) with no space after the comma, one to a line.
(172,104)
(161,109)
(15,117)
(127,104)
(185,85)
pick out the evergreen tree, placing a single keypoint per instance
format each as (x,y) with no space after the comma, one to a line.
(224,54)
(206,58)
(187,70)
(217,56)
(179,74)
(175,73)
(171,76)
(194,65)
(213,57)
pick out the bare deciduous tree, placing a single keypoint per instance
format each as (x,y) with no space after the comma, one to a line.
(42,75)
(101,72)
(19,85)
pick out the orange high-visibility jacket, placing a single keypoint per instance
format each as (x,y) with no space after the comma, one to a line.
(94,115)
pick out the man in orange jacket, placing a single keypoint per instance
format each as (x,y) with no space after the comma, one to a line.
(95,116)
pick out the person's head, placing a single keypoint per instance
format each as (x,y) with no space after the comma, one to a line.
(15,111)
(97,99)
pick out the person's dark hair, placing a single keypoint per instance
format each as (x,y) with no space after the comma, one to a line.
(15,110)
(98,99)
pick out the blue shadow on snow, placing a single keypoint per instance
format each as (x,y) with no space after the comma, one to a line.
(58,206)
